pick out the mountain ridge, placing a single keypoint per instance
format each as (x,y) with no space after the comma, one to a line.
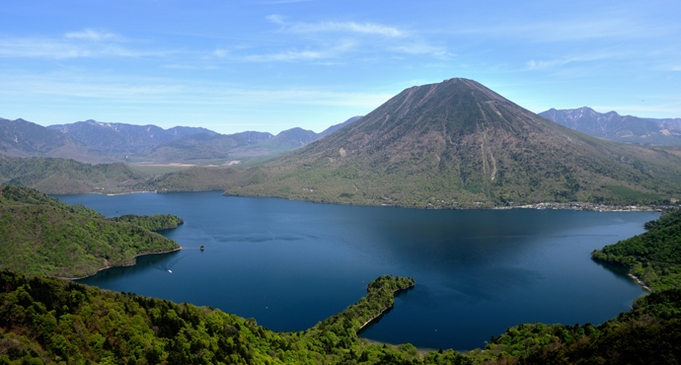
(615,127)
(21,138)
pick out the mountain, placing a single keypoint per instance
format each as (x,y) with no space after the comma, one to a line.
(21,138)
(65,176)
(615,127)
(244,146)
(93,141)
(338,126)
(124,139)
(457,143)
(194,148)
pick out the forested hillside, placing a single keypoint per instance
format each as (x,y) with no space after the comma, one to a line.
(42,236)
(654,256)
(62,176)
(53,321)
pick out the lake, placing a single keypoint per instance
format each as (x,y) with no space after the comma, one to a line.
(290,264)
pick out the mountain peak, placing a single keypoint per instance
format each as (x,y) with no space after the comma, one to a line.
(450,143)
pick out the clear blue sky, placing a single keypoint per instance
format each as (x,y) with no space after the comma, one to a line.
(271,65)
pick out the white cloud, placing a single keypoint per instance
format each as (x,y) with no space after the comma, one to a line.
(220,53)
(72,46)
(348,27)
(91,35)
(420,48)
(585,57)
(159,91)
(349,38)
(304,55)
(276,19)
(341,27)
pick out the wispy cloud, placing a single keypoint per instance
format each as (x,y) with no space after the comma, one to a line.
(324,53)
(339,27)
(83,44)
(338,41)
(91,35)
(585,57)
(600,26)
(171,92)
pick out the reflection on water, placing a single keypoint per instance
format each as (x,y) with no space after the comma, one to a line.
(291,264)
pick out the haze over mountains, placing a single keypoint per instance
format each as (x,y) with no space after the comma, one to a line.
(92,141)
(121,138)
(615,127)
(20,138)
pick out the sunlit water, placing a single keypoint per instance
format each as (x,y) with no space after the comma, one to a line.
(290,264)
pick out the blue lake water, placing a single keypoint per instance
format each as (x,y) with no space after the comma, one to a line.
(290,264)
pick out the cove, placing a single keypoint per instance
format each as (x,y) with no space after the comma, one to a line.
(290,264)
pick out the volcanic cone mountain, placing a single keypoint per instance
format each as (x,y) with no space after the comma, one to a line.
(457,143)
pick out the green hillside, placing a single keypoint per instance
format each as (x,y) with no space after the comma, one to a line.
(62,176)
(52,321)
(654,256)
(41,236)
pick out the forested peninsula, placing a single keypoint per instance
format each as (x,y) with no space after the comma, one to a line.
(43,236)
(54,321)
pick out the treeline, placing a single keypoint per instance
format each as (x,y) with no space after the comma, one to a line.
(50,321)
(40,235)
(655,256)
(157,222)
(64,176)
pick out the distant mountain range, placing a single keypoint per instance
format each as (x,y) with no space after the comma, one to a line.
(121,138)
(92,141)
(20,138)
(615,127)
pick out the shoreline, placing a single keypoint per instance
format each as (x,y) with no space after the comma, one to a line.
(384,309)
(421,350)
(128,265)
(640,282)
(579,206)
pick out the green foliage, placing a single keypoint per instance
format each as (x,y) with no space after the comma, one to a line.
(42,236)
(634,195)
(655,256)
(157,222)
(192,179)
(62,176)
(54,321)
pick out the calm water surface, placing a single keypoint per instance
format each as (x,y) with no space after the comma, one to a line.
(290,264)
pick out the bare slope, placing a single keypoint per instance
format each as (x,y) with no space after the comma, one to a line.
(458,143)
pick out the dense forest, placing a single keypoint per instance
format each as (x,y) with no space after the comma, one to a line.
(655,256)
(157,222)
(43,236)
(54,321)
